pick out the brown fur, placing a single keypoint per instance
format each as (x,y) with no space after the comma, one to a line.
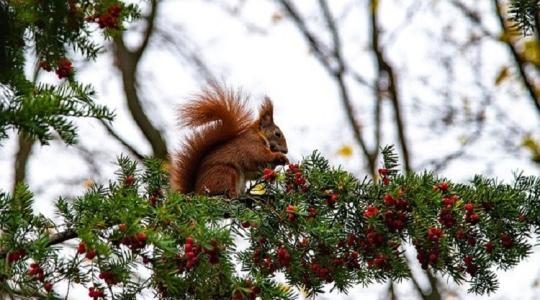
(227,147)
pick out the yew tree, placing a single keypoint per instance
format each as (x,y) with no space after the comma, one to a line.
(313,223)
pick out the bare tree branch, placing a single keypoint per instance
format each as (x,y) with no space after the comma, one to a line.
(387,82)
(521,64)
(338,73)
(124,143)
(21,158)
(150,24)
(127,62)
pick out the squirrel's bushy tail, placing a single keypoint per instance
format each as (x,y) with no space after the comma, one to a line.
(216,115)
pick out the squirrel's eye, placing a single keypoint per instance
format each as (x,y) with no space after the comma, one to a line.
(277,133)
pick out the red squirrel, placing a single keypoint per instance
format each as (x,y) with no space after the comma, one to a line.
(227,146)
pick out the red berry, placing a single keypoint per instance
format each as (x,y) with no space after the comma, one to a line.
(122,227)
(294,168)
(379,261)
(443,186)
(473,218)
(389,200)
(449,201)
(291,217)
(300,181)
(189,240)
(141,236)
(90,254)
(433,257)
(383,171)
(269,174)
(16,255)
(371,211)
(291,209)
(128,181)
(107,21)
(506,241)
(434,234)
(469,207)
(153,200)
(45,66)
(312,212)
(246,224)
(386,180)
(114,10)
(48,286)
(64,68)
(283,256)
(489,247)
(81,248)
(332,198)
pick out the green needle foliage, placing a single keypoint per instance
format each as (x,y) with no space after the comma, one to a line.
(50,31)
(315,224)
(524,14)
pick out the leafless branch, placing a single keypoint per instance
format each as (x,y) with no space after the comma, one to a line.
(119,139)
(521,64)
(387,82)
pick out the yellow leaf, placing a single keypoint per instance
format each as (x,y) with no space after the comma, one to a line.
(88,183)
(374,5)
(259,189)
(504,73)
(165,166)
(345,150)
(277,17)
(529,142)
(532,145)
(283,287)
(505,36)
(530,51)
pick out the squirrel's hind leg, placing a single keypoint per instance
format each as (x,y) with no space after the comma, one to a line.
(220,180)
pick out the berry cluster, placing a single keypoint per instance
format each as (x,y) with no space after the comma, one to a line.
(383,172)
(109,277)
(284,258)
(36,272)
(331,198)
(108,19)
(95,293)
(16,255)
(155,196)
(295,179)
(191,251)
(429,252)
(291,212)
(470,216)
(135,242)
(81,249)
(64,67)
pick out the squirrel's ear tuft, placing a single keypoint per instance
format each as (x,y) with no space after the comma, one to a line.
(266,113)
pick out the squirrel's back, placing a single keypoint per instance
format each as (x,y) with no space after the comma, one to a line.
(216,115)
